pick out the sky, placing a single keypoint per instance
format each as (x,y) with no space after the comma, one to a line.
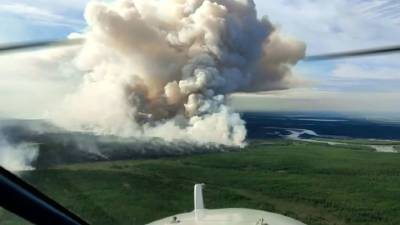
(368,84)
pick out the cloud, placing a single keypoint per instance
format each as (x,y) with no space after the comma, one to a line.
(60,5)
(307,99)
(342,25)
(38,15)
(387,9)
(347,71)
(334,25)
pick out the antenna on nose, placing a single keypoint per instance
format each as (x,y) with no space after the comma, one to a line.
(198,197)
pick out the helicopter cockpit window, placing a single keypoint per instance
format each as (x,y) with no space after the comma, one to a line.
(287,111)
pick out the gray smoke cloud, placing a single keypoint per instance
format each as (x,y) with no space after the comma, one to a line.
(17,157)
(163,68)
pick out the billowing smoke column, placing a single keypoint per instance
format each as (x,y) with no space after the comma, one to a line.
(163,68)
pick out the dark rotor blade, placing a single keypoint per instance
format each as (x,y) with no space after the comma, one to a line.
(38,44)
(355,53)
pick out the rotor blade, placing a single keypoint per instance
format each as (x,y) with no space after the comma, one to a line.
(355,53)
(38,44)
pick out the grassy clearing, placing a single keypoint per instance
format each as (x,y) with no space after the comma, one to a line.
(315,183)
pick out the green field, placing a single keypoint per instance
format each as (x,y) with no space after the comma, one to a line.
(314,183)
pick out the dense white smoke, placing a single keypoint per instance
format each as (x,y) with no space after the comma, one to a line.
(163,68)
(17,157)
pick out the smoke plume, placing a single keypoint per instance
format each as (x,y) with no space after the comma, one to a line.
(163,68)
(17,157)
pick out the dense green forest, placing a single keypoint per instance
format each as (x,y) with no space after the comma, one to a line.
(314,183)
